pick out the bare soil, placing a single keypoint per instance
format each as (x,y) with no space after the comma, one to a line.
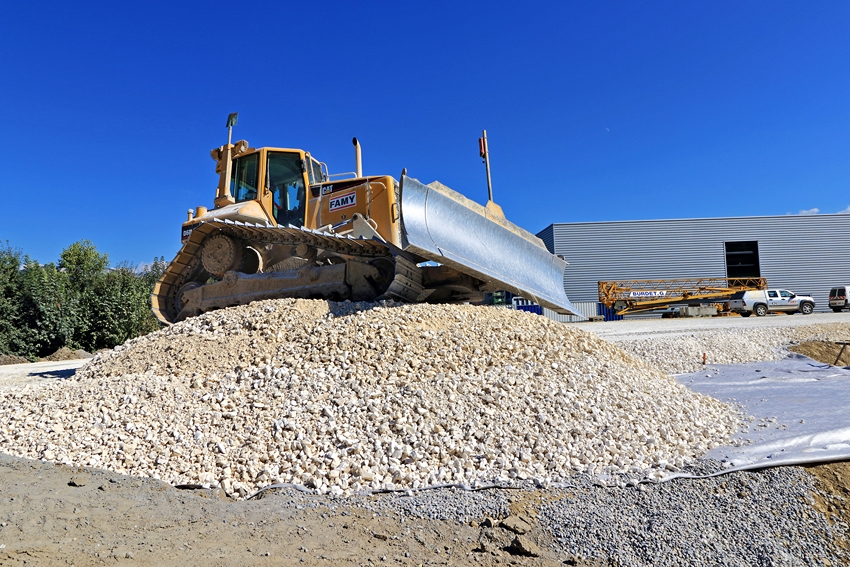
(826,352)
(833,500)
(65,353)
(12,359)
(58,515)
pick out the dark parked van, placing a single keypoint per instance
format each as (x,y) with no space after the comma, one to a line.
(838,298)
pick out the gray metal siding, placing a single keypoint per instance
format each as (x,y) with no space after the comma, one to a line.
(805,254)
(586,309)
(547,236)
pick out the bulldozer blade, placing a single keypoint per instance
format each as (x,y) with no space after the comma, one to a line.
(443,226)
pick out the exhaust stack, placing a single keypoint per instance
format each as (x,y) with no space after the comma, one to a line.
(224,188)
(358,159)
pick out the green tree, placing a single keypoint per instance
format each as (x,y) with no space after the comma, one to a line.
(79,303)
(115,307)
(83,264)
(47,310)
(10,299)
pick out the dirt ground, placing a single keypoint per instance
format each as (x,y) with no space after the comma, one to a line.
(826,352)
(62,354)
(833,481)
(58,515)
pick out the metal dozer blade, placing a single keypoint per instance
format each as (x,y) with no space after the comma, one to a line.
(442,225)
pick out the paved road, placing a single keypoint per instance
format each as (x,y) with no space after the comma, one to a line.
(16,375)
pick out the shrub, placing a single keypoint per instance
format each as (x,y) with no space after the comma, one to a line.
(79,303)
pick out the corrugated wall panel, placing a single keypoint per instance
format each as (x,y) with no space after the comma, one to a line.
(547,236)
(586,309)
(805,253)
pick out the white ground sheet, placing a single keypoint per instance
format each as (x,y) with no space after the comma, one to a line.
(801,409)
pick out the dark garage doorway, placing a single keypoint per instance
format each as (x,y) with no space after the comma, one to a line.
(742,259)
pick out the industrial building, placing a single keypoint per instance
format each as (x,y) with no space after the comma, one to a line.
(801,253)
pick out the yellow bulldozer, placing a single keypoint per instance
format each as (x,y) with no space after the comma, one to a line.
(283,226)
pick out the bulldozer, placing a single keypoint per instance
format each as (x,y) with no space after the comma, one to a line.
(283,226)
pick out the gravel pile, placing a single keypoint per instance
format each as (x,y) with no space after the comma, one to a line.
(683,353)
(349,397)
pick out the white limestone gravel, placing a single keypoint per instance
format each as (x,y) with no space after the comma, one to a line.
(207,400)
(344,398)
(683,352)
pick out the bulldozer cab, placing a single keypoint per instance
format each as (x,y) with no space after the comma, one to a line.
(285,180)
(277,179)
(244,176)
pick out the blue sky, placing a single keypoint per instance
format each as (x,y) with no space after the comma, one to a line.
(594,111)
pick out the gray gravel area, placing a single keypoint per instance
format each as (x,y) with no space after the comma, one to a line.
(753,518)
(444,504)
(759,518)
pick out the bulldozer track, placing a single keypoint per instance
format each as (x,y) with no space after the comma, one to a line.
(187,266)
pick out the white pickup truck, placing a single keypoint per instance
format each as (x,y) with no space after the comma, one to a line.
(764,301)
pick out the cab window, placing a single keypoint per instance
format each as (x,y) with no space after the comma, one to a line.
(243,178)
(784,293)
(286,182)
(772,294)
(316,176)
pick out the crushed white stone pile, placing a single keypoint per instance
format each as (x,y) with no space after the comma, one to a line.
(343,397)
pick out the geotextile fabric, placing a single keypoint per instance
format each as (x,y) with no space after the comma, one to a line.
(800,411)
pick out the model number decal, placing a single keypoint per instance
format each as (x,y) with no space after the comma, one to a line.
(187,232)
(343,201)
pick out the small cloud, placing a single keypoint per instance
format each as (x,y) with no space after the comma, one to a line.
(809,211)
(847,210)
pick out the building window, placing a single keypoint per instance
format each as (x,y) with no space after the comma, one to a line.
(742,259)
